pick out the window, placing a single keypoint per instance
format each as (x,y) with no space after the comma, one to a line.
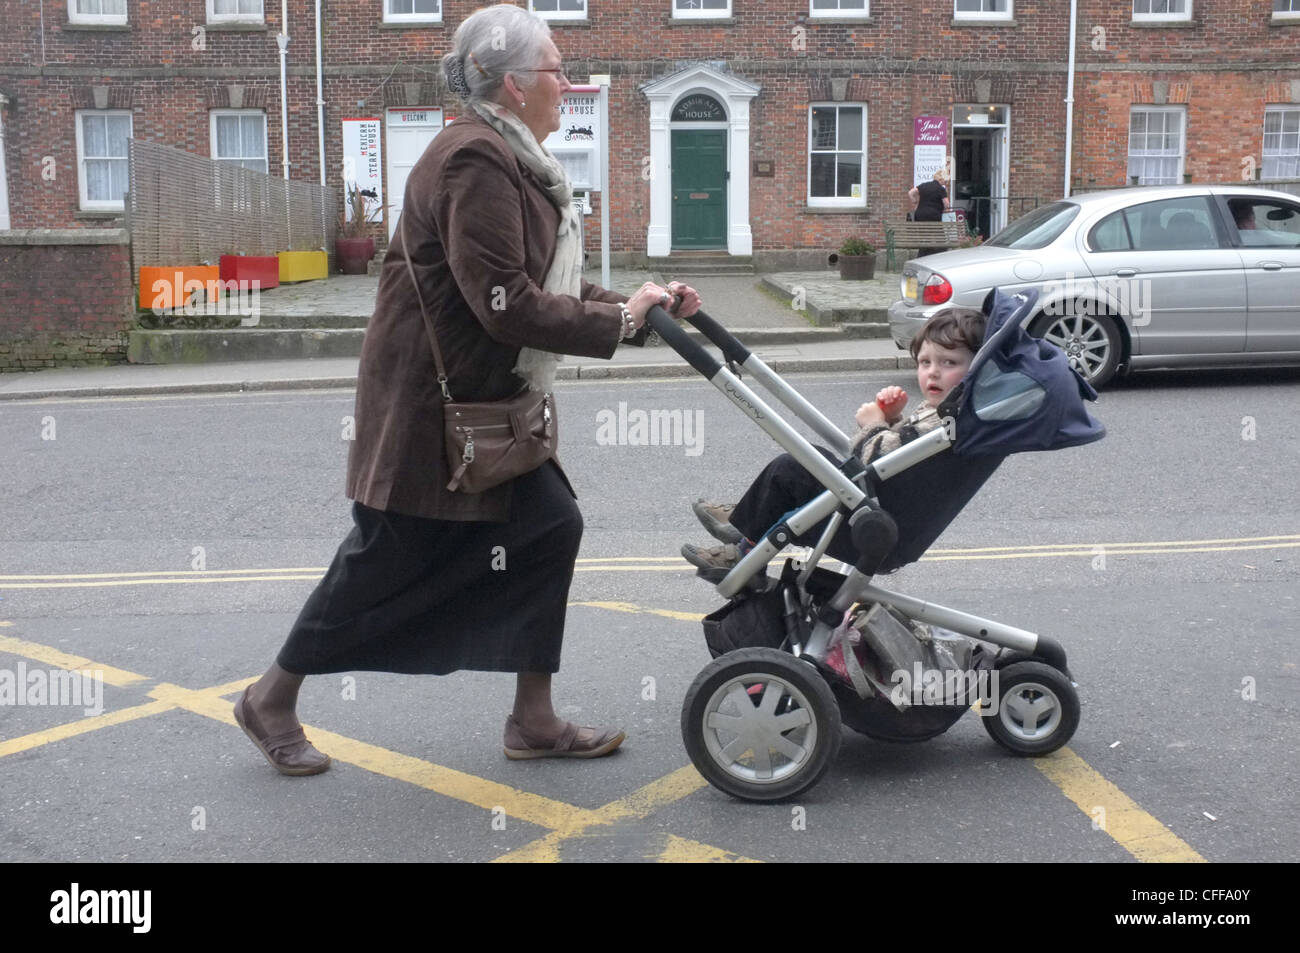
(839,8)
(1281,143)
(701,8)
(1162,9)
(837,156)
(222,11)
(981,9)
(101,158)
(1286,9)
(1181,224)
(428,11)
(239,138)
(1037,228)
(1266,223)
(97,11)
(1110,234)
(559,9)
(1155,145)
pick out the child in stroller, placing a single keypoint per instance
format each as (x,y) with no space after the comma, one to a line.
(943,350)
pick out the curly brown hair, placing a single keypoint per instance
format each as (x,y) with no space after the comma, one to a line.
(952,328)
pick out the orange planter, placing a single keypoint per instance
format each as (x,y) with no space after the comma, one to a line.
(166,288)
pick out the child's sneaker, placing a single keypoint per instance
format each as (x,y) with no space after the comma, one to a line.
(714,558)
(716,518)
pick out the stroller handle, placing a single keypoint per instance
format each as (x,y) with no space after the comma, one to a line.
(667,328)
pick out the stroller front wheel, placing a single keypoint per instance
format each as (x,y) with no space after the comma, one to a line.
(1038,709)
(760,724)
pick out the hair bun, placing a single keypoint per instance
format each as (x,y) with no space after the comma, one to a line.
(453,67)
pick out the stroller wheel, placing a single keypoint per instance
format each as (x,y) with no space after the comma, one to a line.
(1038,709)
(760,724)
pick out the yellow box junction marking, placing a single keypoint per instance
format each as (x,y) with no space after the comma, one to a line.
(1134,829)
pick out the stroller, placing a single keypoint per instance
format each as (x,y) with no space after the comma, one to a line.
(797,656)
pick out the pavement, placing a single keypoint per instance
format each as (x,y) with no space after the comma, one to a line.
(794,321)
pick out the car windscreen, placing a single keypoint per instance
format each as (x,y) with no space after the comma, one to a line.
(1036,229)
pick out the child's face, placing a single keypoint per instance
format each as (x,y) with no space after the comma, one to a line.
(939,369)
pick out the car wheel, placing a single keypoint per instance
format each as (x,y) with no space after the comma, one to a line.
(1090,341)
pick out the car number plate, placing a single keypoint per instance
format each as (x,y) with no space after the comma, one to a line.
(911,288)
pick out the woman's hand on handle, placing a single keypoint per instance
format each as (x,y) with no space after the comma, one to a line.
(645,298)
(687,300)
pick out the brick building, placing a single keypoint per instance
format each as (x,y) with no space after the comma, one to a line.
(790,122)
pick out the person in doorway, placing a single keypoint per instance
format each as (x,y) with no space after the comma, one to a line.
(929,202)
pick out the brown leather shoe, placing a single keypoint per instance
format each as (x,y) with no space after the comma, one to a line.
(520,746)
(289,753)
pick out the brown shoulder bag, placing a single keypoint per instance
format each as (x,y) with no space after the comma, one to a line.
(489,442)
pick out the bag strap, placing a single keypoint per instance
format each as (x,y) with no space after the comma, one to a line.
(424,312)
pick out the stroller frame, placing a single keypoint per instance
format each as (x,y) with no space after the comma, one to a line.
(795,689)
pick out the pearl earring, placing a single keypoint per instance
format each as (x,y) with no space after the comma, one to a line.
(522,104)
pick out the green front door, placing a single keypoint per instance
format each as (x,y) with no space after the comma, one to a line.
(699,188)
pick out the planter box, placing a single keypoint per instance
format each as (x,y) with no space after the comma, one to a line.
(303,265)
(354,254)
(260,268)
(165,287)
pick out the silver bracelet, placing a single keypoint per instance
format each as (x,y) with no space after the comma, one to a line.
(629,323)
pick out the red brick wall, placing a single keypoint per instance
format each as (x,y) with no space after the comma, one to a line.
(910,59)
(63,304)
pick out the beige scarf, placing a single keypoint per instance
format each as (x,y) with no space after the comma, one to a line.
(537,368)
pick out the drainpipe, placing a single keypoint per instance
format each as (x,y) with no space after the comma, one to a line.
(282,39)
(1069,96)
(320,101)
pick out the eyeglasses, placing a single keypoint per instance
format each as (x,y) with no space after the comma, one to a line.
(557,70)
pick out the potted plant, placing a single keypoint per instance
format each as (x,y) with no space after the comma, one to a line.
(856,259)
(354,247)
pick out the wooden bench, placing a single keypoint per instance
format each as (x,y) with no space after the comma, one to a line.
(922,235)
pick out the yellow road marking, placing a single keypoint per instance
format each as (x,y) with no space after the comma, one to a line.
(81,727)
(629,607)
(50,656)
(1125,821)
(673,564)
(639,804)
(679,850)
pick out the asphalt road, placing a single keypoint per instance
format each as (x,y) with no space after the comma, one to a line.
(1166,563)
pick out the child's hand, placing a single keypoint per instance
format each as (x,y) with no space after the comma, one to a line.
(891,401)
(869,415)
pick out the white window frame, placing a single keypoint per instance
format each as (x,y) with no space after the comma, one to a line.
(1162,17)
(1181,111)
(838,12)
(88,204)
(1283,109)
(559,14)
(835,201)
(108,19)
(390,17)
(214,17)
(241,113)
(1291,14)
(686,13)
(1008,14)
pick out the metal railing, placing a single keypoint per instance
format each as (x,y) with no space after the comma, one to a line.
(188,209)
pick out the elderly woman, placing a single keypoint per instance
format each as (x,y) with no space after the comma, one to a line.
(431,580)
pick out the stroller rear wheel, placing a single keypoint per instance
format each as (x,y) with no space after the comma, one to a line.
(1038,709)
(760,724)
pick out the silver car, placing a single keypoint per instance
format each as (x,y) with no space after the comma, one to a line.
(1133,278)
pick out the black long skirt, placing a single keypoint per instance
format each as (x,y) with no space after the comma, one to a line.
(428,597)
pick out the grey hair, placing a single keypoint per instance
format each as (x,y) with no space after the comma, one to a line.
(492,42)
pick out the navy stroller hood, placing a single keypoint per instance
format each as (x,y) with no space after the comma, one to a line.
(1020,392)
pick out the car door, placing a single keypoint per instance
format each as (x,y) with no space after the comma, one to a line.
(1267,233)
(1183,283)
